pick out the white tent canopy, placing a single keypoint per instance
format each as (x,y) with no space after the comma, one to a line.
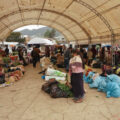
(82,21)
(9,43)
(42,41)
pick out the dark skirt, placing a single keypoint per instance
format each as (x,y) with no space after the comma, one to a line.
(77,84)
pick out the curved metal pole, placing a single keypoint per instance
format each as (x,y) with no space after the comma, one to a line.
(51,11)
(74,37)
(104,21)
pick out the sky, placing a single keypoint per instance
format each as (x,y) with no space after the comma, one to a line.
(30,27)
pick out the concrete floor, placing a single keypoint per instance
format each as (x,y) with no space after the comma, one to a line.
(24,100)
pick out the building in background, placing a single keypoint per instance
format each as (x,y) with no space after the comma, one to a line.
(27,38)
(60,39)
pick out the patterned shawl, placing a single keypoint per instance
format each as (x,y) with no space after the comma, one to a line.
(76,59)
(76,65)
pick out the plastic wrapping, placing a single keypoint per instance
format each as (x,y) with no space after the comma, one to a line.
(47,78)
(112,90)
(53,72)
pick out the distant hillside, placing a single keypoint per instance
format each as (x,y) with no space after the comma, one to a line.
(38,32)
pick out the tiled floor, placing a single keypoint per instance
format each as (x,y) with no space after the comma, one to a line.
(25,101)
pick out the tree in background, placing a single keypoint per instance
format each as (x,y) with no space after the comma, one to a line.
(50,33)
(15,37)
(47,33)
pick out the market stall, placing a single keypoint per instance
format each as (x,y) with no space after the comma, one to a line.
(11,70)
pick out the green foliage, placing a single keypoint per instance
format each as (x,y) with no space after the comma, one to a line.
(15,37)
(66,89)
(50,33)
(16,63)
(6,60)
(14,53)
(6,70)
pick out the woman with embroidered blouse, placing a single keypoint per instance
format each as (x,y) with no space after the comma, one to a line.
(76,72)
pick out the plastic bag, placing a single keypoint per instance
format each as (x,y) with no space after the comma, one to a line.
(102,85)
(84,78)
(89,79)
(47,78)
(47,86)
(53,72)
(96,82)
(2,79)
(56,92)
(112,90)
(113,78)
(45,63)
(60,91)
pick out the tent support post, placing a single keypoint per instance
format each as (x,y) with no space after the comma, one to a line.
(113,52)
(89,43)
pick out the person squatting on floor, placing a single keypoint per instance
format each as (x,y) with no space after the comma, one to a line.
(76,73)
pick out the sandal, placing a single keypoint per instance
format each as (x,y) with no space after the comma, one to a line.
(78,101)
(75,99)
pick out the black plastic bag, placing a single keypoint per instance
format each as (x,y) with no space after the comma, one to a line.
(56,92)
(52,88)
(47,86)
(2,79)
